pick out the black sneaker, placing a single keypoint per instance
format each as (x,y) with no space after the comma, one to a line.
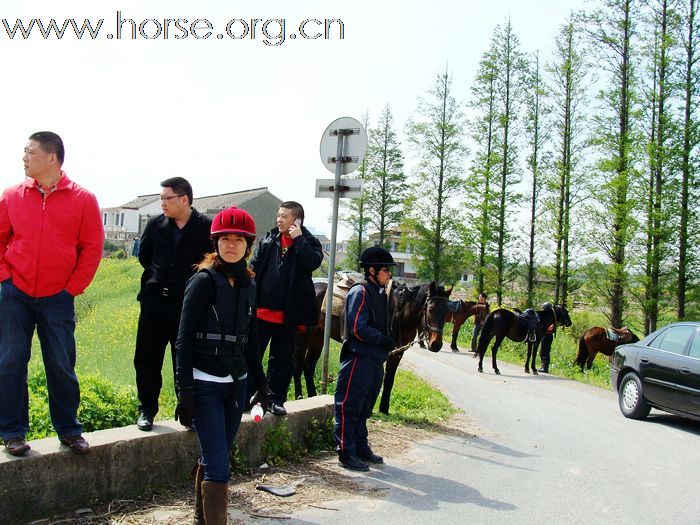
(370,457)
(277,410)
(353,463)
(543,370)
(144,422)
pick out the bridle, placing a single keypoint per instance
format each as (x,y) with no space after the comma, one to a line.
(424,314)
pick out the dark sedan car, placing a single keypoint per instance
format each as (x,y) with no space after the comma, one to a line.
(662,371)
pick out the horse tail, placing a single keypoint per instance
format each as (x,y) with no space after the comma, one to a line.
(485,336)
(582,355)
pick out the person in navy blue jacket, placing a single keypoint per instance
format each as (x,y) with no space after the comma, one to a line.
(366,345)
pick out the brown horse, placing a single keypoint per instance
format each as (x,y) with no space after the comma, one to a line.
(595,340)
(503,323)
(465,310)
(409,308)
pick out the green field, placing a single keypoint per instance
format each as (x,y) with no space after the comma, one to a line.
(107,315)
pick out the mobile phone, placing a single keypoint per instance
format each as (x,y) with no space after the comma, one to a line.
(297,222)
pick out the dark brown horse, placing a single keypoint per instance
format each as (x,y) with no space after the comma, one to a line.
(465,310)
(503,323)
(595,340)
(409,309)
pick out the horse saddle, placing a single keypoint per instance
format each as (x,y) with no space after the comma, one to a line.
(622,335)
(340,292)
(453,306)
(529,319)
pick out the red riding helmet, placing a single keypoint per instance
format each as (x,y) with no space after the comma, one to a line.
(233,220)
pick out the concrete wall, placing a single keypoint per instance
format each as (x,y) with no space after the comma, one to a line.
(124,462)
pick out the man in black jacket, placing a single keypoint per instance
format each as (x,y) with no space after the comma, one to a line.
(171,244)
(283,263)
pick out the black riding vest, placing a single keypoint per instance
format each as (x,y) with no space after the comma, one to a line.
(226,332)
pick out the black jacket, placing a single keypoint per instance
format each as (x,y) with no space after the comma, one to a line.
(168,264)
(198,316)
(301,259)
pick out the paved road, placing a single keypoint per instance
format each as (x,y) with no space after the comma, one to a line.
(545,450)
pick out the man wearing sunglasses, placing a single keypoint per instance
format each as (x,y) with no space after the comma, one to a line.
(171,244)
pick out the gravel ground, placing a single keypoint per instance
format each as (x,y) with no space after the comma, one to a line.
(316,479)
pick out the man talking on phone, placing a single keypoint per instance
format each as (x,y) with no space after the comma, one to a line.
(283,263)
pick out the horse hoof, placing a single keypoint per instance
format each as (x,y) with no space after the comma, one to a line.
(497,371)
(480,370)
(527,370)
(534,372)
(455,349)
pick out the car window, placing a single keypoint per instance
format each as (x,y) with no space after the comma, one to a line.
(695,347)
(674,339)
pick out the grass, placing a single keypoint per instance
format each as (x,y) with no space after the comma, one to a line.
(107,315)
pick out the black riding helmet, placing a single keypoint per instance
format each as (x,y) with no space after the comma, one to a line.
(376,256)
(547,306)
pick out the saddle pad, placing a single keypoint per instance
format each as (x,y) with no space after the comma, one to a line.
(612,336)
(453,306)
(339,295)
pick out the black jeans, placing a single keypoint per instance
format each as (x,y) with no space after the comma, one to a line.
(158,325)
(280,365)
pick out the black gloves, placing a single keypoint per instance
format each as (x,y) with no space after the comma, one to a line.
(185,407)
(388,343)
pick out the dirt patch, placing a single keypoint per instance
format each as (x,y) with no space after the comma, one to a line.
(315,479)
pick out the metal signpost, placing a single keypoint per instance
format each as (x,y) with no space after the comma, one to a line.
(343,147)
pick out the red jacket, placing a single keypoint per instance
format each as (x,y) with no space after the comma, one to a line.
(50,245)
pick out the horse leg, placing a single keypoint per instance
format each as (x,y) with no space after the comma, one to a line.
(390,374)
(309,370)
(299,356)
(535,347)
(589,363)
(455,333)
(494,350)
(527,359)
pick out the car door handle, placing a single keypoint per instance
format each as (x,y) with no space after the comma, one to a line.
(685,370)
(644,359)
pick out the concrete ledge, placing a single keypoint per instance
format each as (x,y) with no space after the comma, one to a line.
(125,462)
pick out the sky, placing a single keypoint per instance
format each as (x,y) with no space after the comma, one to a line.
(231,114)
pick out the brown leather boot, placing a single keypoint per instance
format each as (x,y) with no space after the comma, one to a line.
(215,499)
(197,474)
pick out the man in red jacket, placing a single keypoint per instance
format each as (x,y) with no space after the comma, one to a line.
(51,240)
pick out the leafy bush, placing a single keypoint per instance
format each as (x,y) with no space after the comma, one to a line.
(120,253)
(102,405)
(278,446)
(318,435)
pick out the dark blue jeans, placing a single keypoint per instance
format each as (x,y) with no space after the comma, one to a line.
(217,416)
(357,389)
(54,319)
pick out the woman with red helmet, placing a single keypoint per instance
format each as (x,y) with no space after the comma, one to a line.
(217,357)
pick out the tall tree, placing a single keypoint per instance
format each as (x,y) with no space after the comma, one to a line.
(483,130)
(385,188)
(691,138)
(511,69)
(612,30)
(568,72)
(437,137)
(664,24)
(537,111)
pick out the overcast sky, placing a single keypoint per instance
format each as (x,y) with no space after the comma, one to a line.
(233,114)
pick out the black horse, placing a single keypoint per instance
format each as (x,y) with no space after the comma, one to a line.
(503,323)
(410,309)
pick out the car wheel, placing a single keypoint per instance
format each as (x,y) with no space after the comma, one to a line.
(633,404)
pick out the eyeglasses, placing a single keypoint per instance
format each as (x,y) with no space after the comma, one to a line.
(168,197)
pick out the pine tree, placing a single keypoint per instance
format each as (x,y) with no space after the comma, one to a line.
(385,188)
(434,218)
